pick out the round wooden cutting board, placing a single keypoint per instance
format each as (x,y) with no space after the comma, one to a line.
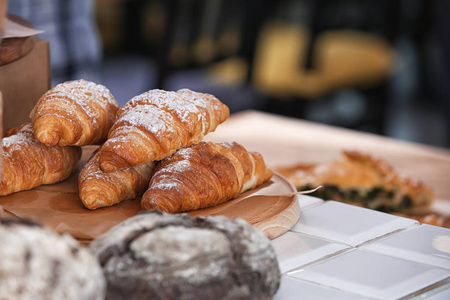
(59,207)
(271,208)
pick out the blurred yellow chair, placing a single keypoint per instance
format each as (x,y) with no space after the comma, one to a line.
(341,59)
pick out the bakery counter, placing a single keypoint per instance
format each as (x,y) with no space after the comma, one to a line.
(285,141)
(341,251)
(323,249)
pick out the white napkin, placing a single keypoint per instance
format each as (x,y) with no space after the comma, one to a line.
(13,29)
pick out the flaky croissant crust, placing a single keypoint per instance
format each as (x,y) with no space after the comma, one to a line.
(153,125)
(76,113)
(100,189)
(203,175)
(27,163)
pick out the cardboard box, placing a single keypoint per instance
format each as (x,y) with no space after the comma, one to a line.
(23,82)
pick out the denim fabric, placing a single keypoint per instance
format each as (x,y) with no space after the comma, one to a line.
(70,28)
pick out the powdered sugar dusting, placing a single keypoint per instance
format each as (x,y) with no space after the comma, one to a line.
(84,94)
(171,119)
(100,93)
(170,101)
(70,103)
(196,99)
(228,144)
(21,139)
(167,184)
(187,106)
(149,117)
(200,99)
(169,181)
(179,166)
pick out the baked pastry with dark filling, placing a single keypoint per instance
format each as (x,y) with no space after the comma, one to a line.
(363,180)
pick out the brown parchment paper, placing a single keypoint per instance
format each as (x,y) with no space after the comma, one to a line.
(59,207)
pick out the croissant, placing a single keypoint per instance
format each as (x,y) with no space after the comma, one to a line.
(27,163)
(157,123)
(206,174)
(99,189)
(74,113)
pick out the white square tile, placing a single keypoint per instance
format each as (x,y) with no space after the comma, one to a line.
(439,293)
(306,201)
(426,244)
(295,250)
(294,289)
(347,223)
(371,274)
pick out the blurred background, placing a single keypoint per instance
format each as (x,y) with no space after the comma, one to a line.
(375,66)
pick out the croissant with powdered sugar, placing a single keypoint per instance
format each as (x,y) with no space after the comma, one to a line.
(74,113)
(27,163)
(99,189)
(153,125)
(204,175)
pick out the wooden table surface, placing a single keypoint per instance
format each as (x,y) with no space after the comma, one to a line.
(285,141)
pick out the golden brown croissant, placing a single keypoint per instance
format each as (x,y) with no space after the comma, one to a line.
(27,163)
(206,174)
(99,189)
(153,125)
(74,113)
